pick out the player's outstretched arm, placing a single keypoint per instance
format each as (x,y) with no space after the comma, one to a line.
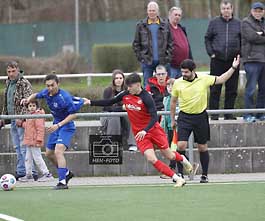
(25,101)
(225,76)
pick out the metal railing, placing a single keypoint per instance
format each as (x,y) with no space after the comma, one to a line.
(90,75)
(110,114)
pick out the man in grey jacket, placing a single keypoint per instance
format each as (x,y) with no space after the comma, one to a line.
(222,42)
(152,42)
(253,57)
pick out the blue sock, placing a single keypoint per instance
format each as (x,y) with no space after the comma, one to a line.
(62,174)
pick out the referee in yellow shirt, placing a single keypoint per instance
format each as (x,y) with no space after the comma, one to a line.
(191,92)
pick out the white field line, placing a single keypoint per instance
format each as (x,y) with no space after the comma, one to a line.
(9,218)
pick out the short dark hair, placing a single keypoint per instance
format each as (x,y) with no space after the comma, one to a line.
(188,64)
(133,78)
(51,77)
(34,102)
(11,64)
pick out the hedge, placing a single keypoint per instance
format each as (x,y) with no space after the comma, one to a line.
(107,57)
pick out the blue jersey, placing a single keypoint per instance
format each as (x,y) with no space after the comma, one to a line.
(61,104)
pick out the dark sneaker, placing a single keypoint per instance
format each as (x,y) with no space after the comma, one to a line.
(69,176)
(60,186)
(35,177)
(204,179)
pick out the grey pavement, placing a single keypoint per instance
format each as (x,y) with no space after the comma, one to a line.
(147,180)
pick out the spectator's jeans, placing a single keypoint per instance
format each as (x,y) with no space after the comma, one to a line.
(148,71)
(255,73)
(175,72)
(118,126)
(218,67)
(17,135)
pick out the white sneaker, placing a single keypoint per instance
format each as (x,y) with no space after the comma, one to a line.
(27,178)
(46,177)
(187,165)
(132,148)
(180,182)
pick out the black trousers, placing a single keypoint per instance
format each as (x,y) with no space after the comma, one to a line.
(217,68)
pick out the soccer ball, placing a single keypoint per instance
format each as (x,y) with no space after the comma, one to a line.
(7,182)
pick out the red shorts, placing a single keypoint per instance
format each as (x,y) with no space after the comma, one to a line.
(156,135)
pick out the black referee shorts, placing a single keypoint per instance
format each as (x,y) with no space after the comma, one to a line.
(198,123)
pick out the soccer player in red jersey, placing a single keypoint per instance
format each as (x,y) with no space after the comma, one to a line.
(142,114)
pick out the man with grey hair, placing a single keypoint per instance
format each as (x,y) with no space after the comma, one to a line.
(223,42)
(181,46)
(152,42)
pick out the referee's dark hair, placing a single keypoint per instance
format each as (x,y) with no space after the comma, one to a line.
(133,78)
(51,77)
(188,64)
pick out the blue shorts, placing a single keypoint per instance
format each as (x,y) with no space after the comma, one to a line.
(62,135)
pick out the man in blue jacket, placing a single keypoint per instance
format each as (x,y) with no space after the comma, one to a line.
(222,42)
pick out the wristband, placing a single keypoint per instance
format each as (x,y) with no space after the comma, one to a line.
(234,67)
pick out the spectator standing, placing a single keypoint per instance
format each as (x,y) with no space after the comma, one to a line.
(222,42)
(191,92)
(34,140)
(17,88)
(253,57)
(181,45)
(117,125)
(157,86)
(152,42)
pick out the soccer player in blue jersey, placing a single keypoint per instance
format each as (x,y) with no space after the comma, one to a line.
(63,107)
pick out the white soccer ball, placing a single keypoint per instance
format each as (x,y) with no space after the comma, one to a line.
(7,182)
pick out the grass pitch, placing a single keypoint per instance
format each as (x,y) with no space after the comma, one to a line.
(210,202)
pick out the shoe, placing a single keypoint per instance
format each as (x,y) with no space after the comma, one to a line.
(35,177)
(213,117)
(204,179)
(180,182)
(133,148)
(250,119)
(181,175)
(163,176)
(17,176)
(46,177)
(27,178)
(69,176)
(60,186)
(187,165)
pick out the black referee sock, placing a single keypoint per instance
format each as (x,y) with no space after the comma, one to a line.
(179,164)
(204,158)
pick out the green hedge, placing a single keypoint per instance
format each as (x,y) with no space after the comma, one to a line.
(107,57)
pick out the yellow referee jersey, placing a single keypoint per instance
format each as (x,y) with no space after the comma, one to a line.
(192,96)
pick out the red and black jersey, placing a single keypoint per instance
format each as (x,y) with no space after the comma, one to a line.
(140,108)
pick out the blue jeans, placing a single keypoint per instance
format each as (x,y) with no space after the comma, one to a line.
(17,135)
(255,73)
(175,72)
(148,71)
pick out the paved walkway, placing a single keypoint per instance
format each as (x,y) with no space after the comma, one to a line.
(141,180)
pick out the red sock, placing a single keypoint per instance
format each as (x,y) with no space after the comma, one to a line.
(178,156)
(163,168)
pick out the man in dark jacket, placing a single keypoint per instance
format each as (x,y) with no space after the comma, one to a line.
(253,56)
(181,45)
(222,42)
(152,42)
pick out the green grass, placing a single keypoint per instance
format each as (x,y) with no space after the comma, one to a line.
(215,202)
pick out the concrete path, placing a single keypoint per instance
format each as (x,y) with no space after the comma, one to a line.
(142,180)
